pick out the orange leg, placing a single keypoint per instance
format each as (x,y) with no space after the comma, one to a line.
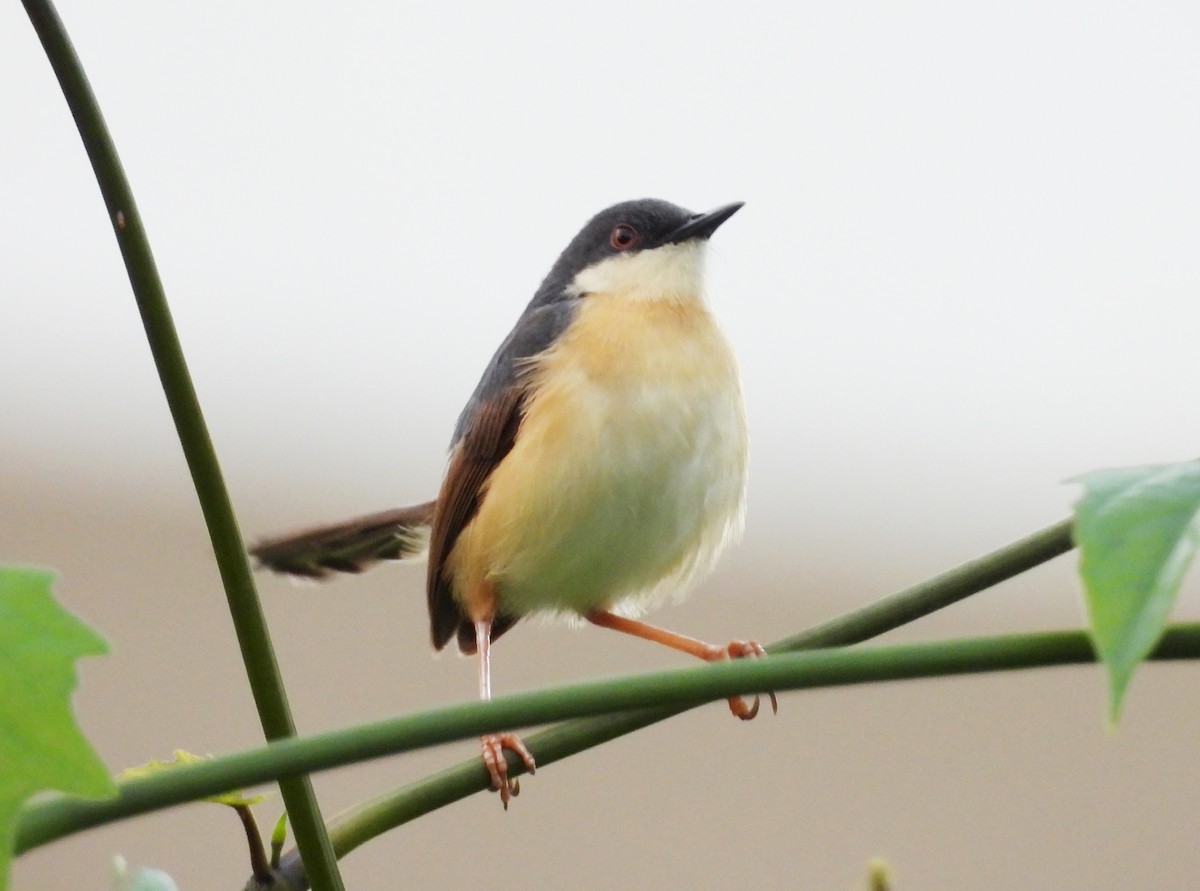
(736,649)
(494,744)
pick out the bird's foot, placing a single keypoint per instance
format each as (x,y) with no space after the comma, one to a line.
(742,649)
(493,746)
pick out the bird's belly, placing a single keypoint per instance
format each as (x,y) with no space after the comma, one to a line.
(619,489)
(628,496)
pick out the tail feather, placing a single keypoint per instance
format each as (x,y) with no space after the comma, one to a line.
(352,546)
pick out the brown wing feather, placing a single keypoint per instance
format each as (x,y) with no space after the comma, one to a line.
(351,546)
(487,438)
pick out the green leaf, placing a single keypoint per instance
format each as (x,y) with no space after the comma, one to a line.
(278,838)
(41,747)
(234,798)
(1137,531)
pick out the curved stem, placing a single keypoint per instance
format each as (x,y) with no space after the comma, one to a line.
(253,638)
(260,866)
(806,670)
(396,807)
(936,593)
(56,817)
(680,688)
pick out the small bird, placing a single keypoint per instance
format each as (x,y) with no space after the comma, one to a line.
(598,468)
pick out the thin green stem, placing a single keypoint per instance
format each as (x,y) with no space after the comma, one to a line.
(260,866)
(396,807)
(45,821)
(936,593)
(815,668)
(253,638)
(56,817)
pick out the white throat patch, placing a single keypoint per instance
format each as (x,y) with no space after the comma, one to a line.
(671,272)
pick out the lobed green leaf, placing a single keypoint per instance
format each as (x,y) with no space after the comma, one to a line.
(41,746)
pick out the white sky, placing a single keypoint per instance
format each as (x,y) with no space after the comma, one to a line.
(967,267)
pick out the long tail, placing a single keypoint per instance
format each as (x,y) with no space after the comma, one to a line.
(352,546)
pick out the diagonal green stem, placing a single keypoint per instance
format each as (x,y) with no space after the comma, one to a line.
(376,816)
(936,593)
(53,818)
(817,668)
(681,688)
(253,638)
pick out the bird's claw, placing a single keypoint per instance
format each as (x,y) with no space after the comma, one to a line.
(738,706)
(745,649)
(492,747)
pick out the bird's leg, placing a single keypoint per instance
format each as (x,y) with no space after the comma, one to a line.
(736,649)
(494,744)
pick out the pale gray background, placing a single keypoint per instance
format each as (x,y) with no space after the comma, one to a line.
(967,270)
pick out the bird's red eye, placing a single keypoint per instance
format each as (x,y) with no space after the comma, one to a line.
(623,237)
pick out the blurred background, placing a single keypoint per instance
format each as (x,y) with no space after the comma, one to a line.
(967,270)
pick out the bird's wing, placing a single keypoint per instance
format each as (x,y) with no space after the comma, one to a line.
(485,433)
(481,448)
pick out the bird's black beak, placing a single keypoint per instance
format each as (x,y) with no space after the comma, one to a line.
(702,225)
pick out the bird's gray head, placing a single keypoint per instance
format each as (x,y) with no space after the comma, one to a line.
(645,249)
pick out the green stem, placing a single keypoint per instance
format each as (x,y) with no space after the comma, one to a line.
(396,807)
(45,821)
(54,818)
(936,593)
(253,638)
(260,866)
(804,670)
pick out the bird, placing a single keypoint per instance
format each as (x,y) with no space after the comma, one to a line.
(598,468)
